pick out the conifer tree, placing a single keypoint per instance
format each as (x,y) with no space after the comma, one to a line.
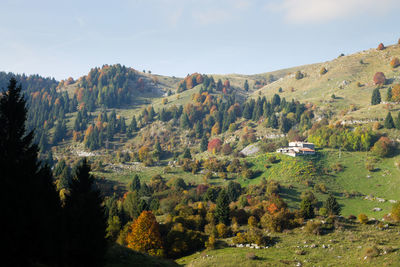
(29,202)
(85,220)
(376,97)
(204,143)
(332,206)
(222,208)
(389,94)
(389,123)
(135,184)
(397,122)
(187,154)
(246,86)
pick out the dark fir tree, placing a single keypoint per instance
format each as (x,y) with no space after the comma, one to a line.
(397,122)
(389,94)
(187,154)
(246,86)
(85,220)
(389,123)
(30,204)
(376,97)
(332,206)
(204,143)
(135,184)
(234,190)
(222,208)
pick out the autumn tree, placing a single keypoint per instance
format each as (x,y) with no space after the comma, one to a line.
(381,46)
(396,93)
(395,62)
(144,235)
(379,78)
(85,220)
(383,147)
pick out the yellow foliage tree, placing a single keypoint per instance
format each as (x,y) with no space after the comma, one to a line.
(144,235)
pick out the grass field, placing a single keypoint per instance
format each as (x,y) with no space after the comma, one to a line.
(346,247)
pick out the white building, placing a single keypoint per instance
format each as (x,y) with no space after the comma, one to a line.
(297,149)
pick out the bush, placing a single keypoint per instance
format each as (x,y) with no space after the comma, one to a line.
(383,147)
(323,71)
(396,212)
(395,62)
(313,227)
(299,75)
(222,230)
(210,244)
(371,252)
(380,47)
(226,149)
(247,174)
(278,221)
(362,218)
(379,78)
(252,221)
(323,211)
(214,145)
(251,256)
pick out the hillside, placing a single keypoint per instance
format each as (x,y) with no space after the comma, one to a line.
(341,79)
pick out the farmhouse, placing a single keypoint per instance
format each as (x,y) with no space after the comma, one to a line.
(297,149)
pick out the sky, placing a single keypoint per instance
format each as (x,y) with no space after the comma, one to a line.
(56,38)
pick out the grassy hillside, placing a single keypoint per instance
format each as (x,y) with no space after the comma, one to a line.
(341,80)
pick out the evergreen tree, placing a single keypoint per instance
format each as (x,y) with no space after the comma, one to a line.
(133,126)
(29,202)
(284,124)
(184,121)
(389,94)
(397,122)
(198,128)
(389,123)
(332,206)
(246,86)
(273,121)
(376,97)
(85,220)
(157,150)
(233,191)
(276,100)
(135,184)
(204,143)
(222,208)
(187,154)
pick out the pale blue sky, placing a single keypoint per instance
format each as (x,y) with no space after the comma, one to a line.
(175,37)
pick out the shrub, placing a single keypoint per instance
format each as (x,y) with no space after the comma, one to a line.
(278,221)
(210,244)
(383,147)
(323,211)
(362,218)
(164,101)
(313,227)
(247,174)
(299,75)
(251,256)
(359,84)
(395,62)
(371,252)
(396,212)
(226,149)
(323,71)
(379,78)
(381,46)
(272,159)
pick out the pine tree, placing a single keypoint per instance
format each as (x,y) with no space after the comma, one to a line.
(246,86)
(389,123)
(30,204)
(204,143)
(187,154)
(222,208)
(332,206)
(85,220)
(397,122)
(376,97)
(135,184)
(389,94)
(184,121)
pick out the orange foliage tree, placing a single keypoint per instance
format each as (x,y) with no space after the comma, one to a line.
(381,47)
(144,235)
(396,93)
(214,144)
(395,62)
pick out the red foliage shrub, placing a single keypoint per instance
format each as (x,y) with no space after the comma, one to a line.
(381,47)
(379,78)
(201,189)
(214,144)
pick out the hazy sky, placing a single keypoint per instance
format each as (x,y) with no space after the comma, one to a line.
(175,37)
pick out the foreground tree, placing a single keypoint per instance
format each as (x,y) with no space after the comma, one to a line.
(376,97)
(85,221)
(222,208)
(30,204)
(144,235)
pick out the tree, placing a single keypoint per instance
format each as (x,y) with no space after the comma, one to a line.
(144,235)
(299,75)
(389,94)
(379,78)
(383,147)
(397,122)
(381,46)
(85,220)
(389,123)
(246,86)
(332,206)
(135,184)
(233,191)
(376,97)
(222,207)
(204,143)
(395,62)
(187,154)
(30,204)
